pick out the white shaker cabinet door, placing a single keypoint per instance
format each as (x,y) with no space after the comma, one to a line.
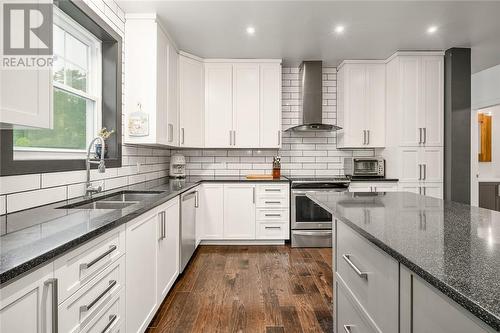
(26,98)
(218,105)
(191,102)
(409,87)
(211,226)
(26,304)
(173,97)
(168,246)
(239,211)
(410,167)
(270,105)
(375,105)
(355,106)
(432,99)
(431,159)
(141,260)
(246,110)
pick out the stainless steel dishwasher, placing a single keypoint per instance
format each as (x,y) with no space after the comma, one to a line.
(189,203)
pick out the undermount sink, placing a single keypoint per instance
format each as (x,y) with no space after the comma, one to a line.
(114,201)
(131,196)
(103,205)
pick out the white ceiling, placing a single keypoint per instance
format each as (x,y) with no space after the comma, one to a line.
(297,30)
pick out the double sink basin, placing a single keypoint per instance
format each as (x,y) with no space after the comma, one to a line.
(117,200)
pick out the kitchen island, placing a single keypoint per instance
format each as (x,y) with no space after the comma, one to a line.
(410,263)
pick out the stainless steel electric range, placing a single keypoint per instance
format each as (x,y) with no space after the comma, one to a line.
(311,225)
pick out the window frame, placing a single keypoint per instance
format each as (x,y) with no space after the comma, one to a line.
(110,103)
(92,93)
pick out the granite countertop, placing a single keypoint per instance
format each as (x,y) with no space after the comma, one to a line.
(34,236)
(455,247)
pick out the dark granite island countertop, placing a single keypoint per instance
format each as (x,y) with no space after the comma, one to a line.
(456,248)
(35,236)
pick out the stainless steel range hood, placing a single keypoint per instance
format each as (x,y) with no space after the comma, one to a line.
(311,91)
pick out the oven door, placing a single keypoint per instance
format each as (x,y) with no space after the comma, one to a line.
(306,214)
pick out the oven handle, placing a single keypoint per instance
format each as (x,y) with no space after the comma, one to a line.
(312,233)
(317,190)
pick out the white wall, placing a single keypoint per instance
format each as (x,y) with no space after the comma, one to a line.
(26,191)
(485,88)
(304,154)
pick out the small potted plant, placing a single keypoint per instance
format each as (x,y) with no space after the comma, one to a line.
(105,134)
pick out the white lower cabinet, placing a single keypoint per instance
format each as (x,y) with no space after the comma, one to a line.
(111,318)
(141,273)
(350,317)
(211,225)
(168,247)
(239,211)
(425,309)
(79,309)
(26,304)
(423,188)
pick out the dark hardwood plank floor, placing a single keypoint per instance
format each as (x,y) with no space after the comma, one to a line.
(269,289)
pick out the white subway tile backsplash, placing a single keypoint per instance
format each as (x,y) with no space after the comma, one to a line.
(63,178)
(112,183)
(24,200)
(11,184)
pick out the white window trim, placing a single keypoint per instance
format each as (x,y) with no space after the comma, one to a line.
(94,91)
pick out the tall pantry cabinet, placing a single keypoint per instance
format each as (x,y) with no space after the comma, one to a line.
(415,121)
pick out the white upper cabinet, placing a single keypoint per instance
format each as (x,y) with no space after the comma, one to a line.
(270,105)
(246,105)
(242,104)
(218,105)
(151,81)
(361,107)
(192,94)
(26,98)
(419,99)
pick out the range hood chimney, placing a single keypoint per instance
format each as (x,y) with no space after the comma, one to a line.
(311,92)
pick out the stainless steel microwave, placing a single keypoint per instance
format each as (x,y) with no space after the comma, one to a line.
(364,166)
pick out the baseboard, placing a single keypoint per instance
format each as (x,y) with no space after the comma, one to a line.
(242,242)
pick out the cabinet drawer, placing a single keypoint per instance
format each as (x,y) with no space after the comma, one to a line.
(275,202)
(349,317)
(272,230)
(371,275)
(272,190)
(272,215)
(110,319)
(76,268)
(79,309)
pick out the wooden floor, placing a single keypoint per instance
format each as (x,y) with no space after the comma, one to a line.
(251,289)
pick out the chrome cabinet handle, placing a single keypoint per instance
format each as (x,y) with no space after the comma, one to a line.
(279,138)
(93,262)
(230,138)
(347,328)
(272,227)
(253,194)
(313,233)
(196,199)
(425,135)
(347,258)
(364,137)
(112,319)
(420,172)
(425,190)
(182,135)
(273,202)
(272,190)
(163,221)
(170,132)
(234,138)
(84,308)
(55,301)
(425,171)
(272,215)
(367,137)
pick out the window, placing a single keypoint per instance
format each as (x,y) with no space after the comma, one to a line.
(76,96)
(89,59)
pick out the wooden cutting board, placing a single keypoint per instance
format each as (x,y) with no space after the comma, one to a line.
(259,176)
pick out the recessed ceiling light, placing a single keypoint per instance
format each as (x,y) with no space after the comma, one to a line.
(432,29)
(339,29)
(250,30)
